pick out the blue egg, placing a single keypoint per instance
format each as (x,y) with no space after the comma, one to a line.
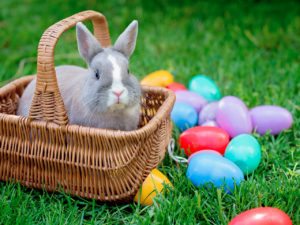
(205,168)
(244,150)
(184,116)
(205,87)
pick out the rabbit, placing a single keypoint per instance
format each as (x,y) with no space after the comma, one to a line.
(105,95)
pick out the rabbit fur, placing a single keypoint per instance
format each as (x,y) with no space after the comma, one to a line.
(105,95)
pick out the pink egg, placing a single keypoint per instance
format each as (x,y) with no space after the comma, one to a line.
(203,151)
(262,216)
(233,116)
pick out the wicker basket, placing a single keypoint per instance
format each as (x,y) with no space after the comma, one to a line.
(44,151)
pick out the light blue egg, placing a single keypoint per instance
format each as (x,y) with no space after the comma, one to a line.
(184,116)
(244,150)
(205,87)
(207,168)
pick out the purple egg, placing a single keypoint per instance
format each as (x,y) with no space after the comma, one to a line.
(210,123)
(270,117)
(191,98)
(204,151)
(208,113)
(233,116)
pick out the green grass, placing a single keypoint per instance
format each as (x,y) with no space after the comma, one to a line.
(249,48)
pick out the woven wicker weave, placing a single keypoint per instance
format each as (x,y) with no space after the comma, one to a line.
(44,151)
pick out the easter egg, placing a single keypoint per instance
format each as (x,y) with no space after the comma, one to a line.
(233,116)
(203,151)
(201,138)
(191,98)
(207,167)
(208,113)
(184,116)
(152,186)
(176,87)
(210,123)
(270,117)
(262,216)
(205,87)
(160,78)
(244,150)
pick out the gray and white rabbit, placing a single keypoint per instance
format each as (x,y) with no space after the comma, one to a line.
(105,95)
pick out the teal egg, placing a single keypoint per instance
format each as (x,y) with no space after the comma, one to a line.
(244,150)
(205,87)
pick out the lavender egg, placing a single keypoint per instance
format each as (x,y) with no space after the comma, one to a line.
(210,123)
(208,113)
(191,98)
(233,116)
(270,117)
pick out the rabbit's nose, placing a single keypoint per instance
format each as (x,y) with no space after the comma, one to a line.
(118,94)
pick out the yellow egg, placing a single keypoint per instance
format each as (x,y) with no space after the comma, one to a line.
(152,186)
(160,78)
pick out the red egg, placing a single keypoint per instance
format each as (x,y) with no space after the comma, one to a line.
(262,216)
(200,138)
(176,87)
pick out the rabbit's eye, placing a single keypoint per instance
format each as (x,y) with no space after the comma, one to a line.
(97,74)
(128,71)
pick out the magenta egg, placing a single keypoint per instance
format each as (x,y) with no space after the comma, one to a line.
(191,98)
(270,117)
(233,116)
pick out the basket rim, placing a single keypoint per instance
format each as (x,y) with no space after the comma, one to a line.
(144,131)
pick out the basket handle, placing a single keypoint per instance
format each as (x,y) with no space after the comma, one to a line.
(47,103)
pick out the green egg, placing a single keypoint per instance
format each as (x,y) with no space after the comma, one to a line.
(244,150)
(205,87)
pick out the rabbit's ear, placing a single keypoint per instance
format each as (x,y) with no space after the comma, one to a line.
(88,45)
(126,41)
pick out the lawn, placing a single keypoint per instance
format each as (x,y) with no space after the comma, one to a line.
(251,49)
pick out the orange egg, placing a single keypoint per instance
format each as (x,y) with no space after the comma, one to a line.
(160,78)
(152,186)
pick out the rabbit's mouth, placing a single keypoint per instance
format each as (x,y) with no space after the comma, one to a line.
(117,106)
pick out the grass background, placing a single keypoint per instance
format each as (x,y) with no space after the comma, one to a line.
(249,48)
